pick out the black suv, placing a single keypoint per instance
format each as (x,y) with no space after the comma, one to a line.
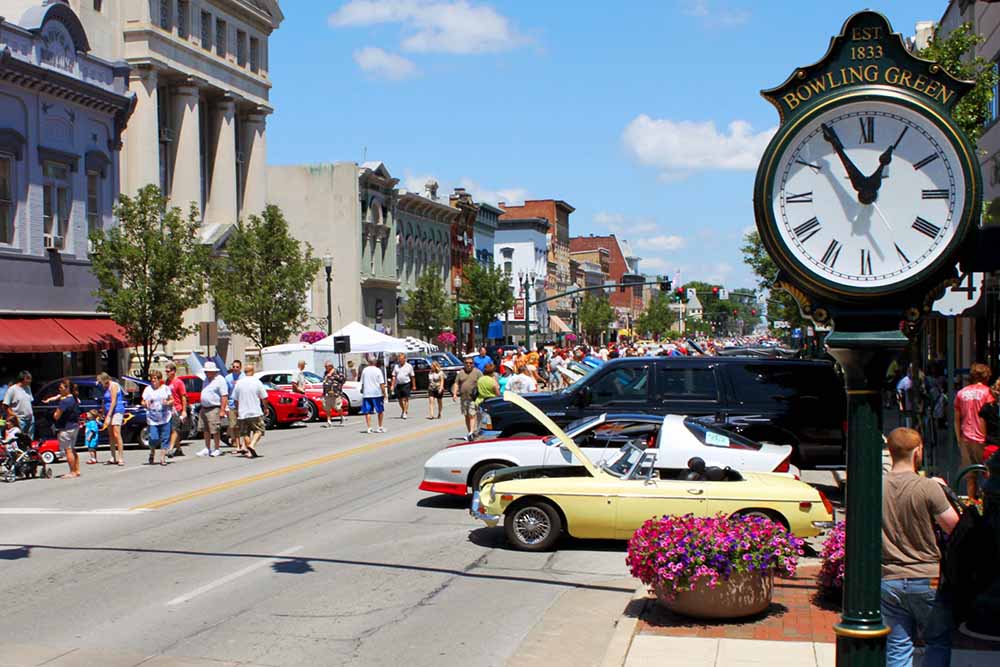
(800,403)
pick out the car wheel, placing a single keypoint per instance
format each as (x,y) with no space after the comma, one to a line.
(143,438)
(312,414)
(763,514)
(476,478)
(49,458)
(270,419)
(523,434)
(533,526)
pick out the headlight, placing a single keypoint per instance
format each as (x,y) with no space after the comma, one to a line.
(284,400)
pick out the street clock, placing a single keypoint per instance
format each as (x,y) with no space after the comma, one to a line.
(868,189)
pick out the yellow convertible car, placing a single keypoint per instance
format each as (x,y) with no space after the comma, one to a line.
(611,500)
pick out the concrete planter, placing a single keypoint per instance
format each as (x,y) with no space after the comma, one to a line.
(744,594)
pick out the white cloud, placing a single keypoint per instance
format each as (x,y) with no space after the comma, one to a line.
(715,17)
(384,65)
(480,193)
(655,265)
(718,273)
(663,242)
(619,224)
(676,147)
(435,26)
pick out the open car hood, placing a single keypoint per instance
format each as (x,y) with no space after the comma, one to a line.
(544,420)
(534,472)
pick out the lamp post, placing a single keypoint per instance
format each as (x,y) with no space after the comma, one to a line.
(328,264)
(575,304)
(457,282)
(526,278)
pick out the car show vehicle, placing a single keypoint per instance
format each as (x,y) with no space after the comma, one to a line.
(610,500)
(460,467)
(799,403)
(282,409)
(314,391)
(422,369)
(91,396)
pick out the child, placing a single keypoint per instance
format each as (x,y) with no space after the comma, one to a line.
(91,435)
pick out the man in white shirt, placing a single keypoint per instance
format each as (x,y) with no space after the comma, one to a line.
(522,382)
(214,407)
(402,383)
(373,394)
(249,396)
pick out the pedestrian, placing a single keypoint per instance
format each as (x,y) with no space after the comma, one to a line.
(19,399)
(990,414)
(543,366)
(402,384)
(911,604)
(214,408)
(92,434)
(522,382)
(481,359)
(159,403)
(969,426)
(249,395)
(235,372)
(486,387)
(114,417)
(179,410)
(299,378)
(435,391)
(66,424)
(333,391)
(352,372)
(464,386)
(373,394)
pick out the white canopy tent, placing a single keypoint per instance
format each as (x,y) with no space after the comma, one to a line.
(365,340)
(419,346)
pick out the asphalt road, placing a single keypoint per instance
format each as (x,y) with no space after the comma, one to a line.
(321,552)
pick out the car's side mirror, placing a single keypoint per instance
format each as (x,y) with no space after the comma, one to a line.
(584,396)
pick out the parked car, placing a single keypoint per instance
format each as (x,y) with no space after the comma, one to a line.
(459,467)
(314,391)
(610,500)
(283,407)
(445,359)
(794,402)
(422,370)
(91,396)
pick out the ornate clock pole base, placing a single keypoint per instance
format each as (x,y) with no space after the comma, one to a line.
(864,356)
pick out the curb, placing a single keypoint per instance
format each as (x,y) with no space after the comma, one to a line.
(621,641)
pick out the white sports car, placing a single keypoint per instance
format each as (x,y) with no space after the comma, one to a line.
(456,468)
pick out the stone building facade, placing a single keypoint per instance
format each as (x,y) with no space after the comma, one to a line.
(521,251)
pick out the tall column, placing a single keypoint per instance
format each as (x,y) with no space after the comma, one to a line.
(141,139)
(186,180)
(255,148)
(221,204)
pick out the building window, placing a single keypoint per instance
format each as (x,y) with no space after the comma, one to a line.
(241,48)
(93,202)
(165,14)
(206,31)
(6,199)
(220,38)
(97,5)
(183,16)
(994,108)
(56,199)
(254,54)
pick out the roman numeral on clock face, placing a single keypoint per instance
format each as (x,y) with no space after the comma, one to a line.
(807,229)
(832,253)
(926,228)
(867,130)
(801,198)
(926,161)
(934,194)
(866,262)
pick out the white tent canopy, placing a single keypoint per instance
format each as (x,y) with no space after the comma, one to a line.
(417,345)
(365,340)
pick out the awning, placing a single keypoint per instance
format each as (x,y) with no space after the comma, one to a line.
(21,335)
(495,329)
(557,325)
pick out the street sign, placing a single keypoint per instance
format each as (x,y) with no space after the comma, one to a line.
(464,311)
(723,294)
(961,297)
(519,313)
(691,293)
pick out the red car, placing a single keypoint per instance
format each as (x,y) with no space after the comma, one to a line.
(283,407)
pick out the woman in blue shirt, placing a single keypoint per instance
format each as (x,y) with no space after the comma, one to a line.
(114,417)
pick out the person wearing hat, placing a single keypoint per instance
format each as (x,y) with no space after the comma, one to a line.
(214,407)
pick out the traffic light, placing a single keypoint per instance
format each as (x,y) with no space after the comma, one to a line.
(753,311)
(664,284)
(735,312)
(715,291)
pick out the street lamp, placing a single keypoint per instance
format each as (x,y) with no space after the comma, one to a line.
(575,303)
(526,278)
(328,263)
(458,311)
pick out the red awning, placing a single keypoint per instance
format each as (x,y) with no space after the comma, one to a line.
(20,335)
(95,332)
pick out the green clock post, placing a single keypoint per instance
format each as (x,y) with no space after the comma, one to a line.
(866,198)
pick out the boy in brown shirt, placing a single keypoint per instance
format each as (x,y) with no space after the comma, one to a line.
(911,505)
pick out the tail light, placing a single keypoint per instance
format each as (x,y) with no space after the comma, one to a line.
(785,465)
(826,502)
(843,427)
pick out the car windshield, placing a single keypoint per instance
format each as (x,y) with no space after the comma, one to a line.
(623,462)
(574,429)
(580,382)
(312,378)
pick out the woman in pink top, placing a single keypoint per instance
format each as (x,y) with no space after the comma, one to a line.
(970,428)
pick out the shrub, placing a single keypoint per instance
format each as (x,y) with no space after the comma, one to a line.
(678,553)
(446,339)
(311,336)
(831,573)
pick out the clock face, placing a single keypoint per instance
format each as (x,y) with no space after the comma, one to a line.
(868,194)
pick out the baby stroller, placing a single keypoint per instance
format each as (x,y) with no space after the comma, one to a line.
(22,461)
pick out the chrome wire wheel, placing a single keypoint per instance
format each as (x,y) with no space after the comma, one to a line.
(532,525)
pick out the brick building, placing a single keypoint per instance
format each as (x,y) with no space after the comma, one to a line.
(611,252)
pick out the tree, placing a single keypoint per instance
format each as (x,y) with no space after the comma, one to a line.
(149,270)
(657,318)
(780,304)
(428,307)
(595,314)
(487,291)
(952,52)
(260,281)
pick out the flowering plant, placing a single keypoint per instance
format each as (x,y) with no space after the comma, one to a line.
(311,336)
(571,338)
(831,572)
(446,338)
(677,553)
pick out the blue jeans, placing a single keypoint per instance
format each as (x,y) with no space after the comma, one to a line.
(27,425)
(911,606)
(159,436)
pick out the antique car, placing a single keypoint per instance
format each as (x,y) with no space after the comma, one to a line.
(610,500)
(459,467)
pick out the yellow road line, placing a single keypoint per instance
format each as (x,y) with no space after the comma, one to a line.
(243,481)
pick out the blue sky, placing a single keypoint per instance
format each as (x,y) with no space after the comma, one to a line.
(645,116)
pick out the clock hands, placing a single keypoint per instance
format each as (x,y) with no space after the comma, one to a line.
(858,180)
(867,187)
